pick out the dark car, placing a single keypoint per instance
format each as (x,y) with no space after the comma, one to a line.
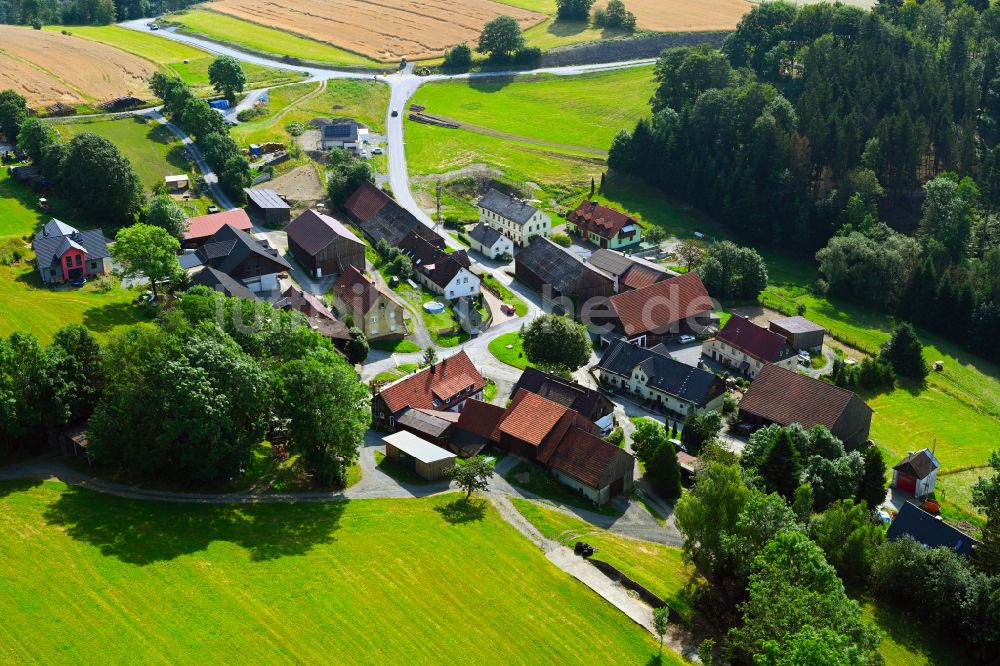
(395,112)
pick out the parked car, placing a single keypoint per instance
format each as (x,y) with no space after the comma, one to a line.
(685,339)
(377,151)
(805,358)
(507,309)
(79,282)
(213,209)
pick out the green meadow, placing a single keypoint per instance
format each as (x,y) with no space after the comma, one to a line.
(416,581)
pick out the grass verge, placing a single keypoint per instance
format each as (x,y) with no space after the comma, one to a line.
(533,479)
(514,356)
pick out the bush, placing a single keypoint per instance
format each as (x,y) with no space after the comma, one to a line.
(530,55)
(616,437)
(562,239)
(247,115)
(459,57)
(296,128)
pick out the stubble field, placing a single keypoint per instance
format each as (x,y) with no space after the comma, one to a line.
(48,67)
(415,29)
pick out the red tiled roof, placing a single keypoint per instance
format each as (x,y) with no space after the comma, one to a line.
(656,307)
(584,456)
(606,222)
(639,276)
(481,418)
(757,341)
(359,292)
(366,202)
(531,417)
(418,391)
(785,397)
(204,226)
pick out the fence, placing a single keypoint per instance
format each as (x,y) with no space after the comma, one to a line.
(614,574)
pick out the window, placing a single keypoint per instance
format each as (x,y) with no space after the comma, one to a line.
(392,315)
(374,319)
(451,292)
(392,328)
(465,280)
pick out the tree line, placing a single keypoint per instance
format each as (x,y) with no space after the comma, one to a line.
(869,134)
(187,399)
(83,12)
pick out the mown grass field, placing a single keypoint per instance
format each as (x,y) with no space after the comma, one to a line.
(19,212)
(152,149)
(171,55)
(265,40)
(513,356)
(547,107)
(365,101)
(94,577)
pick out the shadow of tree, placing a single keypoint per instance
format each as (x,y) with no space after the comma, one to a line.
(490,84)
(461,510)
(143,532)
(17,486)
(655,660)
(104,318)
(176,158)
(564,28)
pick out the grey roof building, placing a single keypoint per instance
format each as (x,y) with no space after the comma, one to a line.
(507,207)
(219,281)
(929,530)
(340,134)
(485,234)
(242,257)
(545,263)
(267,206)
(64,253)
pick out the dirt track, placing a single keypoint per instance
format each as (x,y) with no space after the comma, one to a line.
(48,67)
(383,31)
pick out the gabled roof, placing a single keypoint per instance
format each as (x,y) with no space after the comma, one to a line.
(266,199)
(204,226)
(314,231)
(366,201)
(439,386)
(229,247)
(417,448)
(928,530)
(341,131)
(56,238)
(601,220)
(785,397)
(420,250)
(485,235)
(756,341)
(656,308)
(508,207)
(443,270)
(219,281)
(584,456)
(427,422)
(553,265)
(664,373)
(918,464)
(379,216)
(797,325)
(530,417)
(559,390)
(481,418)
(317,314)
(359,292)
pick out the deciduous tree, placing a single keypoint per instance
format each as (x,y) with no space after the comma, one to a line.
(472,475)
(13,112)
(99,180)
(558,341)
(227,77)
(145,250)
(164,212)
(501,37)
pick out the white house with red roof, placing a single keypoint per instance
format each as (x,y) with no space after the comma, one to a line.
(603,226)
(745,347)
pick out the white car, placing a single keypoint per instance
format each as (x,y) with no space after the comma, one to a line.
(805,357)
(685,339)
(377,151)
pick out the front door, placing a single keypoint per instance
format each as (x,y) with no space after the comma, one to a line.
(617,487)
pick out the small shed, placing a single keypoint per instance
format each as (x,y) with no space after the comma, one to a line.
(267,206)
(177,183)
(801,333)
(427,460)
(916,473)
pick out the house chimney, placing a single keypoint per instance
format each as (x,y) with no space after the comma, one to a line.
(432,368)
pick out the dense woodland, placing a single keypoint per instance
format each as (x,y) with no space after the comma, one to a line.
(870,137)
(83,12)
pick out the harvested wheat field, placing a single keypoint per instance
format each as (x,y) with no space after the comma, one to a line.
(415,29)
(688,15)
(48,67)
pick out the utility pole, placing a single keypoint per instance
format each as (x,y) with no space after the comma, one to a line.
(438,189)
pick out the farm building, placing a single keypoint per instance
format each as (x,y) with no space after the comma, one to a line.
(323,245)
(514,218)
(565,392)
(267,206)
(242,257)
(490,242)
(653,375)
(374,310)
(317,315)
(216,280)
(202,227)
(603,226)
(341,134)
(477,427)
(929,530)
(432,425)
(379,216)
(916,473)
(64,253)
(651,314)
(781,396)
(628,272)
(177,183)
(443,386)
(425,459)
(801,333)
(564,281)
(745,347)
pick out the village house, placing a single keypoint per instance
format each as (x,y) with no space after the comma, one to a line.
(581,399)
(449,276)
(374,310)
(649,315)
(490,242)
(203,227)
(628,272)
(66,254)
(318,316)
(802,334)
(781,396)
(516,219)
(603,226)
(745,347)
(929,531)
(571,283)
(653,375)
(343,134)
(442,386)
(323,245)
(267,207)
(216,280)
(380,217)
(916,473)
(242,257)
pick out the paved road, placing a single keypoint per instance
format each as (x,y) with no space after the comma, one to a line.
(211,179)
